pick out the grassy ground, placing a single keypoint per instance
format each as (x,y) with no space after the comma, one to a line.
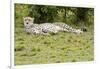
(59,48)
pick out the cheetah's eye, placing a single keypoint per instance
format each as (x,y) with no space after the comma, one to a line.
(25,19)
(29,20)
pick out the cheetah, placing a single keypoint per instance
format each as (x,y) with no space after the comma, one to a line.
(46,28)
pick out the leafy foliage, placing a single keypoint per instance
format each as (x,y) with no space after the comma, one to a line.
(44,13)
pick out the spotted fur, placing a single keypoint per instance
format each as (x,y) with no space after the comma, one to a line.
(46,28)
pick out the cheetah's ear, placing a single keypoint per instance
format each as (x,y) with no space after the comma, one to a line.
(33,18)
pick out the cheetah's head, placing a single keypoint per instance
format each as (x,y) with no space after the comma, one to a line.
(28,21)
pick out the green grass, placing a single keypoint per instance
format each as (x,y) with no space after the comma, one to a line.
(59,48)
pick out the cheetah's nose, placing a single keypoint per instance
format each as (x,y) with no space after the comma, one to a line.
(27,23)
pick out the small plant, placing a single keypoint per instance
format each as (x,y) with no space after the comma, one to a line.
(70,37)
(53,56)
(58,61)
(20,39)
(91,59)
(79,41)
(24,54)
(38,50)
(73,60)
(75,40)
(33,49)
(21,42)
(69,40)
(33,54)
(19,48)
(62,48)
(46,42)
